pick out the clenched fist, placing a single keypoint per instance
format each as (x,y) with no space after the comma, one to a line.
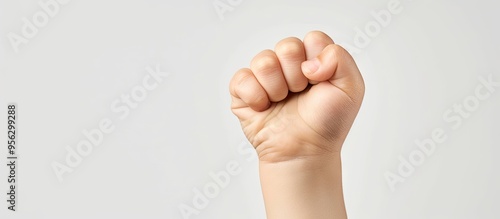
(298,101)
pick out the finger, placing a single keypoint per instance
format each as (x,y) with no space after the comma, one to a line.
(247,91)
(291,54)
(267,70)
(314,43)
(336,65)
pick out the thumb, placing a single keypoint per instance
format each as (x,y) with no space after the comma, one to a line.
(335,65)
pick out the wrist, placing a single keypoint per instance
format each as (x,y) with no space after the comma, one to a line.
(307,187)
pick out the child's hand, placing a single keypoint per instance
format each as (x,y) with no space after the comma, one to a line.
(298,101)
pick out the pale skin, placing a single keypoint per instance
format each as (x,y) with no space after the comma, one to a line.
(296,105)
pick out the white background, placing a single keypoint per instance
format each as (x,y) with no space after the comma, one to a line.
(65,79)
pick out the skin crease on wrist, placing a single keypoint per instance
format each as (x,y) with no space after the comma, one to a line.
(296,104)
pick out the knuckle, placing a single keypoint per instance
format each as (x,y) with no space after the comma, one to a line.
(290,48)
(264,62)
(243,80)
(332,52)
(317,39)
(338,49)
(239,78)
(316,35)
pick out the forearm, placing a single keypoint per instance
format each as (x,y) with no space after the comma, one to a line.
(303,188)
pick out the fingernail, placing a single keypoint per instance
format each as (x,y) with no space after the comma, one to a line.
(310,66)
